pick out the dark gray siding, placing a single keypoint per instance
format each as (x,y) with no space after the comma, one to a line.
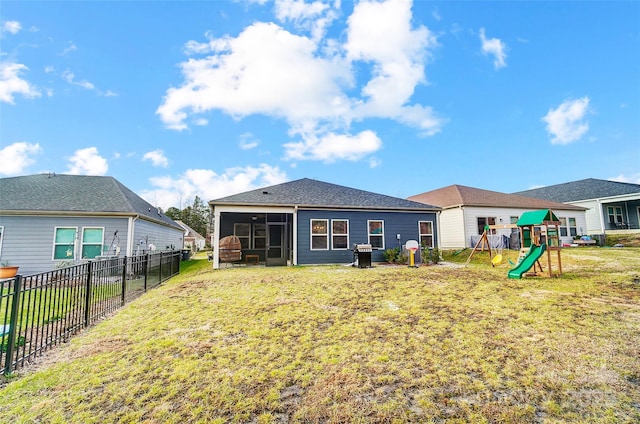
(403,223)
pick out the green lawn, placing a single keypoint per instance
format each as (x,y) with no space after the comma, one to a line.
(337,344)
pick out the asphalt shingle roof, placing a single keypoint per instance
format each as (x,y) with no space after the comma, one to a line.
(458,195)
(308,192)
(586,189)
(82,194)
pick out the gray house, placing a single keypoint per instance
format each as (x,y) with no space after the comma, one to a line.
(50,220)
(612,206)
(313,222)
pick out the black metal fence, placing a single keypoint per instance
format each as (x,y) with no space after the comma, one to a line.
(41,310)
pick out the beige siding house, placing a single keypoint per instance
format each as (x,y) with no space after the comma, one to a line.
(466,210)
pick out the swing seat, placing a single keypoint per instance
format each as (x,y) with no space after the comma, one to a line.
(497,260)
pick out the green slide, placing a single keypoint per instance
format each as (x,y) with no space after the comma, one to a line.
(527,262)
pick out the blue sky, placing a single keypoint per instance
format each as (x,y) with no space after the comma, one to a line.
(178,99)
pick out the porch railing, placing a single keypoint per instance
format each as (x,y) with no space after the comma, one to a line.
(40,311)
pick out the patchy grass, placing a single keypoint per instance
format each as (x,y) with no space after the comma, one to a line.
(338,344)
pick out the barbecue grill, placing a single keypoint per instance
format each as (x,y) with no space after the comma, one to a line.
(362,254)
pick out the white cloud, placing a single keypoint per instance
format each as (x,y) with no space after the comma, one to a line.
(157,158)
(16,157)
(11,26)
(495,47)
(332,147)
(633,178)
(69,77)
(248,141)
(11,83)
(70,48)
(310,81)
(314,16)
(110,93)
(209,185)
(87,162)
(566,123)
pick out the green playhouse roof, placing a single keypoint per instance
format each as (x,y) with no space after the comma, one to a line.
(536,217)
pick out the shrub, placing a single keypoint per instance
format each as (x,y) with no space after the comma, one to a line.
(391,255)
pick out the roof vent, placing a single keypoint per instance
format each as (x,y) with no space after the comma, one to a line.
(265,192)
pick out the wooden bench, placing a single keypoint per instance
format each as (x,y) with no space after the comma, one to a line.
(255,258)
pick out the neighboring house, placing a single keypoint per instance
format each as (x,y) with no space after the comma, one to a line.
(612,206)
(192,240)
(312,222)
(50,220)
(466,210)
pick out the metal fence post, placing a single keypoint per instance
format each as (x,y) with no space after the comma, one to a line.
(146,270)
(160,270)
(87,295)
(124,280)
(13,324)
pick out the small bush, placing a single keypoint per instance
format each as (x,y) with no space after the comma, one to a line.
(391,255)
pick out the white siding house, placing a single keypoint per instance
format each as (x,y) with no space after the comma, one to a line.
(466,210)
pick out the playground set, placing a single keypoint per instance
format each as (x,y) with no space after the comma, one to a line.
(539,234)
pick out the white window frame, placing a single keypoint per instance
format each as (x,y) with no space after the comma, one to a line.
(83,244)
(334,234)
(370,234)
(421,234)
(313,235)
(1,238)
(564,228)
(486,220)
(614,214)
(75,241)
(573,229)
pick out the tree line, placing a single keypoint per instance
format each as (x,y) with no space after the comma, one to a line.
(196,216)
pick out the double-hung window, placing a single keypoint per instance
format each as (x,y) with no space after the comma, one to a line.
(319,234)
(573,229)
(426,233)
(376,234)
(64,244)
(339,234)
(486,220)
(92,239)
(615,214)
(563,227)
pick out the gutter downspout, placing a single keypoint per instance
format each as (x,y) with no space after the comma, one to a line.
(602,227)
(130,234)
(438,231)
(216,239)
(295,235)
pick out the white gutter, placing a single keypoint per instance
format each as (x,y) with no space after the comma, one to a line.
(130,234)
(295,235)
(215,245)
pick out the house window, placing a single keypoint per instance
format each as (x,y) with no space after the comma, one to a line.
(426,233)
(563,227)
(483,220)
(339,234)
(259,236)
(92,239)
(243,232)
(376,234)
(615,214)
(319,234)
(573,228)
(64,244)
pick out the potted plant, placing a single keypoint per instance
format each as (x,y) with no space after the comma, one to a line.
(7,270)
